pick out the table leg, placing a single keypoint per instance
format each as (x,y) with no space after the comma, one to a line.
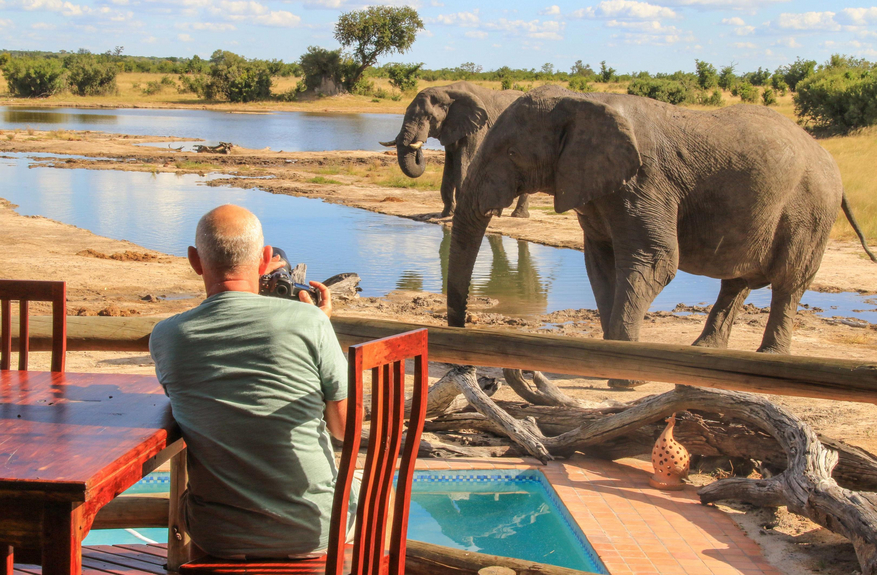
(179,545)
(62,539)
(8,559)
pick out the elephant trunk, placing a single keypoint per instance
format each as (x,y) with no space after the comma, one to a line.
(466,236)
(411,159)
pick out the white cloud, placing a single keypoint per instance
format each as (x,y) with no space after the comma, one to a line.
(8,24)
(548,30)
(255,13)
(551,11)
(278,19)
(808,21)
(209,26)
(741,45)
(120,2)
(463,19)
(788,42)
(184,38)
(733,4)
(627,9)
(478,34)
(651,33)
(735,21)
(65,8)
(859,16)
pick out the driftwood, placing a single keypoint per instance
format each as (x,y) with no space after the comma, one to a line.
(542,391)
(427,559)
(222,148)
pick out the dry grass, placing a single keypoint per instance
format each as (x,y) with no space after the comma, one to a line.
(855,156)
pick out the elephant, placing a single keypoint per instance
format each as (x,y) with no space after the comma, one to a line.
(458,115)
(741,194)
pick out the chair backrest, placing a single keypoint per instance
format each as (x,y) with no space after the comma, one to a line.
(386,360)
(25,291)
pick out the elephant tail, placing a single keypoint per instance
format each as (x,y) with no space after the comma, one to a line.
(845,205)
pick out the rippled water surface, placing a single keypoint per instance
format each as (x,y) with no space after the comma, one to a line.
(160,212)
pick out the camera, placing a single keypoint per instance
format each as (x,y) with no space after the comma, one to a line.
(280,283)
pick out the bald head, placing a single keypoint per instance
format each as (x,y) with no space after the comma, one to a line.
(229,237)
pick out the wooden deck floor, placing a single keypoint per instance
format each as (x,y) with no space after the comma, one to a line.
(115,559)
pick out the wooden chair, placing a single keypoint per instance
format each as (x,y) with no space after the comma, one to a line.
(26,291)
(366,556)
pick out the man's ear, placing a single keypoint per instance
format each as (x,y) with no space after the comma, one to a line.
(267,254)
(195,261)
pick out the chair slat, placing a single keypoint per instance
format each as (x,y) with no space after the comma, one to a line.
(25,291)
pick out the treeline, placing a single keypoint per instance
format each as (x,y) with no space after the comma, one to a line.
(840,94)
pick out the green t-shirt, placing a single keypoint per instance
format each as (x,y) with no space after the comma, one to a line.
(248,377)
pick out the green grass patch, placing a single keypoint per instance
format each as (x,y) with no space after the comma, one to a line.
(188,165)
(403,181)
(322,180)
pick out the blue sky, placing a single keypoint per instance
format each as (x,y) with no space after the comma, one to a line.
(631,35)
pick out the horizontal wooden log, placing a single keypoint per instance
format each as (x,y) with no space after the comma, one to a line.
(428,559)
(133,511)
(699,366)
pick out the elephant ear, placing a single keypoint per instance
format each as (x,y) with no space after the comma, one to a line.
(598,153)
(466,115)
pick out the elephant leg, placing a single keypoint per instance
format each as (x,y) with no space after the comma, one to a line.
(636,287)
(448,183)
(718,325)
(600,264)
(521,209)
(780,322)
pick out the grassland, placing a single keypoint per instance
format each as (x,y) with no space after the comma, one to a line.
(855,154)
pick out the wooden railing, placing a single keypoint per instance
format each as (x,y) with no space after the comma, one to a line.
(816,377)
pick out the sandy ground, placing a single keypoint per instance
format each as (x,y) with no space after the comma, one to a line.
(119,278)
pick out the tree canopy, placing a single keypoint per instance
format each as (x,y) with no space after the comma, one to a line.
(376,31)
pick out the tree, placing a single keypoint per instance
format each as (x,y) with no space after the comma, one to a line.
(90,75)
(547,69)
(320,66)
(374,32)
(706,75)
(236,78)
(727,77)
(797,71)
(579,69)
(607,74)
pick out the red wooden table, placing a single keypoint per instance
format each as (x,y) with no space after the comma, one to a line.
(69,444)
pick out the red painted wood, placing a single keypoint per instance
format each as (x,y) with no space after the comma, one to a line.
(132,552)
(73,442)
(7,557)
(25,291)
(385,359)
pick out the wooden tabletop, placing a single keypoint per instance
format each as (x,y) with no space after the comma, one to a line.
(72,435)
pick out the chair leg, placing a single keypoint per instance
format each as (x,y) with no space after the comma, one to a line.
(8,559)
(179,545)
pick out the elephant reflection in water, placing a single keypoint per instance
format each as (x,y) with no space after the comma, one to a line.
(519,284)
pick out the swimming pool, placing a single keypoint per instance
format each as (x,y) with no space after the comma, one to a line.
(511,513)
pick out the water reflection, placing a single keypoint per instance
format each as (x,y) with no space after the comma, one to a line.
(37,116)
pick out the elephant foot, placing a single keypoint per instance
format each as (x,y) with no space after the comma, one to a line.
(447,212)
(521,213)
(625,383)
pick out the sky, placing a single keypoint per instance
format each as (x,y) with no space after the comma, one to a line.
(630,35)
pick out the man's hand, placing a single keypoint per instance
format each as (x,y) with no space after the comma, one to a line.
(275,264)
(325,297)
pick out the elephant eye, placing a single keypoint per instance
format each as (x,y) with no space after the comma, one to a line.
(512,153)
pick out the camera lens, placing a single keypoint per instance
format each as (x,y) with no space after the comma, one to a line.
(282,290)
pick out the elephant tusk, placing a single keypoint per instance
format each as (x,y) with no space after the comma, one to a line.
(390,144)
(416,145)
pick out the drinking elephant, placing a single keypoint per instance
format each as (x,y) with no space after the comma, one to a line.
(458,115)
(741,194)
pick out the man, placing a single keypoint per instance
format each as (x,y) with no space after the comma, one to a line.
(256,384)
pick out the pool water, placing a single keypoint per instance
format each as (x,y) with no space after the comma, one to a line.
(511,513)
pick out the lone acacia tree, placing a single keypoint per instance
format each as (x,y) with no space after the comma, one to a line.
(374,32)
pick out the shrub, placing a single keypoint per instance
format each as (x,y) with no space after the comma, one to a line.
(670,91)
(797,71)
(506,84)
(839,98)
(381,93)
(778,83)
(34,77)
(404,76)
(746,91)
(727,77)
(197,84)
(239,79)
(580,84)
(713,99)
(759,78)
(90,75)
(606,73)
(318,63)
(768,97)
(152,87)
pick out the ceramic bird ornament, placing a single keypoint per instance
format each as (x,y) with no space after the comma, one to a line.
(670,460)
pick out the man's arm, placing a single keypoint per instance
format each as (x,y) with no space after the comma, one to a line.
(336,418)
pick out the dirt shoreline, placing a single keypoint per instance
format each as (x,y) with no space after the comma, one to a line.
(113,277)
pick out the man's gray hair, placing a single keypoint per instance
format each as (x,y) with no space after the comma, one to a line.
(228,237)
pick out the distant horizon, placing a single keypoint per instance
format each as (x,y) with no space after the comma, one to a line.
(659,36)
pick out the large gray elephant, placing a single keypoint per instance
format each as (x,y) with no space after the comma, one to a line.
(741,194)
(458,115)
